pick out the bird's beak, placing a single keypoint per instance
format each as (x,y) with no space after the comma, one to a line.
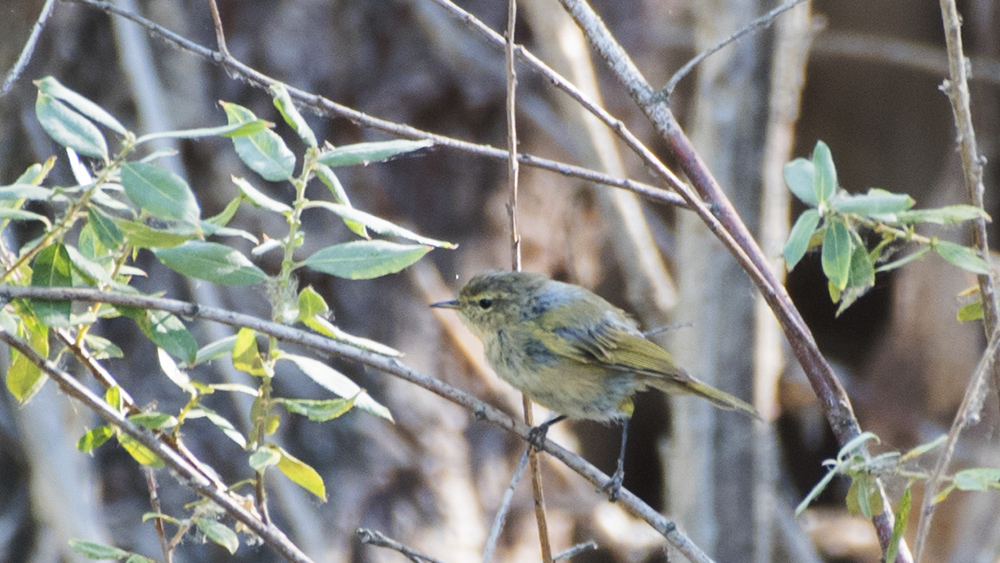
(446,305)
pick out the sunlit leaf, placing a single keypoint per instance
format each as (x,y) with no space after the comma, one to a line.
(365,259)
(246,356)
(139,452)
(337,383)
(302,474)
(379,225)
(317,410)
(93,439)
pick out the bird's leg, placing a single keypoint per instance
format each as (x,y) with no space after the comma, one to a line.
(536,436)
(614,486)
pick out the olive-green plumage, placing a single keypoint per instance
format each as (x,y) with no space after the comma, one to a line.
(570,350)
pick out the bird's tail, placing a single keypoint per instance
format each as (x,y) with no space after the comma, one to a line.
(682,383)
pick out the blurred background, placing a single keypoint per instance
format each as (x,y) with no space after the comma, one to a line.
(434,480)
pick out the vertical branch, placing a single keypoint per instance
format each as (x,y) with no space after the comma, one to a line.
(957,89)
(515,248)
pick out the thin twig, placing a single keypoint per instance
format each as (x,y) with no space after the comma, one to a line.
(321,344)
(726,224)
(508,496)
(537,490)
(220,35)
(957,89)
(328,107)
(968,413)
(154,503)
(576,550)
(757,24)
(187,473)
(29,48)
(378,539)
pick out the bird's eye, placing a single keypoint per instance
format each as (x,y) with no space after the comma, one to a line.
(485,304)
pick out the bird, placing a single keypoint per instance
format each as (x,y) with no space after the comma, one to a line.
(572,352)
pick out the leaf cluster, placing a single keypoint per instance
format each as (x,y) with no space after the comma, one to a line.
(124,203)
(838,221)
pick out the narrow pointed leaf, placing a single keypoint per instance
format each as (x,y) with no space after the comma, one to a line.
(825,177)
(105,228)
(380,225)
(293,118)
(962,256)
(218,533)
(365,259)
(215,350)
(258,199)
(798,238)
(264,152)
(327,176)
(220,422)
(836,256)
(364,153)
(69,128)
(25,379)
(302,474)
(139,452)
(168,332)
(94,439)
(318,410)
(94,550)
(875,202)
(52,268)
(950,215)
(54,88)
(141,235)
(337,383)
(231,130)
(211,261)
(31,192)
(799,178)
(160,192)
(246,356)
(904,260)
(899,527)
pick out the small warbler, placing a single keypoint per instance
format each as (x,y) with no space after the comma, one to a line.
(571,351)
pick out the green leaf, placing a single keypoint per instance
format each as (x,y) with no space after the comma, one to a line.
(311,303)
(364,153)
(899,527)
(113,396)
(324,327)
(94,550)
(301,474)
(92,272)
(224,216)
(246,356)
(837,250)
(904,260)
(337,383)
(318,410)
(258,199)
(218,533)
(154,420)
(215,350)
(798,238)
(264,457)
(31,192)
(94,439)
(105,228)
(169,333)
(825,177)
(924,448)
(860,279)
(160,192)
(102,348)
(231,130)
(365,259)
(25,379)
(70,129)
(962,256)
(264,152)
(136,558)
(864,497)
(378,224)
(875,202)
(51,268)
(220,422)
(140,235)
(293,118)
(799,178)
(54,88)
(978,479)
(22,215)
(211,261)
(327,176)
(139,452)
(950,215)
(971,312)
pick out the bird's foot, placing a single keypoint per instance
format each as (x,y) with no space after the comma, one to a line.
(536,436)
